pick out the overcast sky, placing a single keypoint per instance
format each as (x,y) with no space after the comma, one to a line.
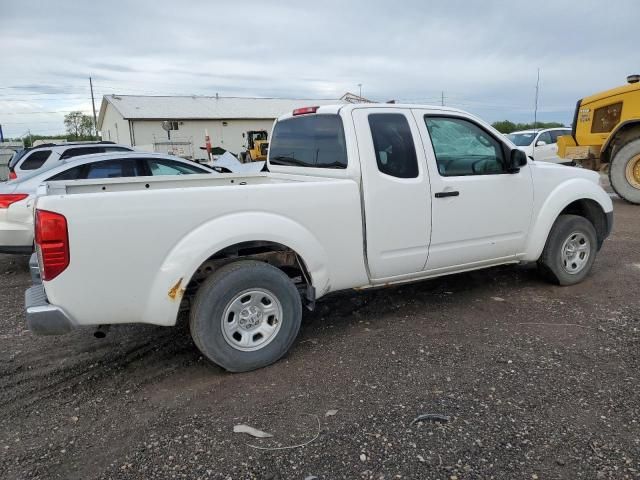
(482,54)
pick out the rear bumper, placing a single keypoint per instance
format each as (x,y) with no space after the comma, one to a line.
(16,237)
(16,250)
(42,317)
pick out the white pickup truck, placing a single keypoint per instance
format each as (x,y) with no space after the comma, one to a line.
(357,196)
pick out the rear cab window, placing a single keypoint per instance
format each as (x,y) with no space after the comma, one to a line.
(315,141)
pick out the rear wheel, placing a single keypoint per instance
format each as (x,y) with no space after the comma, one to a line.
(624,172)
(246,316)
(570,250)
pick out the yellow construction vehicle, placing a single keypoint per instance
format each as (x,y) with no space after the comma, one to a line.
(257,146)
(606,134)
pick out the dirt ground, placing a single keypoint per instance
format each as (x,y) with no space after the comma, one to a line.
(539,381)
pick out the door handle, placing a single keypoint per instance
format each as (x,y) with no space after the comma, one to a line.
(452,193)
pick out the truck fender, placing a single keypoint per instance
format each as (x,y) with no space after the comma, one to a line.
(562,196)
(209,238)
(618,129)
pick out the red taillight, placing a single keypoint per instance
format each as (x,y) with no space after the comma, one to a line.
(7,199)
(12,175)
(52,241)
(305,110)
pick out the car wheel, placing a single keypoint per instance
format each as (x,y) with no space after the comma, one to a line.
(624,172)
(570,250)
(246,316)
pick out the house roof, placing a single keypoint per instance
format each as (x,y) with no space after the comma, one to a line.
(143,107)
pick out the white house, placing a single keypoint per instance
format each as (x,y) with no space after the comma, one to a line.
(137,120)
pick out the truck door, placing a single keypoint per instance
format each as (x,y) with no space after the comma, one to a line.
(395,190)
(481,213)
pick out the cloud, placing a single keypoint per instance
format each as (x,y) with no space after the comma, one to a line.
(482,56)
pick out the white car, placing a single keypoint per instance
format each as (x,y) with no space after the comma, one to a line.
(49,155)
(17,196)
(357,196)
(540,145)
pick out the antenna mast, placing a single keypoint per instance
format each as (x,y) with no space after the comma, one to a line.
(535,110)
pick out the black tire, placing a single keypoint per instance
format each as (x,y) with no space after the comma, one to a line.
(216,295)
(618,172)
(553,265)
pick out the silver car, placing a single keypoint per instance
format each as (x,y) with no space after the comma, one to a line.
(17,196)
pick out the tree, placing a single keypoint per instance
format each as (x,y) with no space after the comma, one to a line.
(79,126)
(504,126)
(87,125)
(507,126)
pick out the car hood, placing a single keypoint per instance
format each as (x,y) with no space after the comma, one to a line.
(563,172)
(524,148)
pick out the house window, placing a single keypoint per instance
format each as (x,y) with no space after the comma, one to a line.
(174,125)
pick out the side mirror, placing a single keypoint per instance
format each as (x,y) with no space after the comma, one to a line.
(540,143)
(517,159)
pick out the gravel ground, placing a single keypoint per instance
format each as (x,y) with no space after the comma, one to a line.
(538,381)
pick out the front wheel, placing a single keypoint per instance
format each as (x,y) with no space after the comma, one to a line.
(624,172)
(570,250)
(246,316)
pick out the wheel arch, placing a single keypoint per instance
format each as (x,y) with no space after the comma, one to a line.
(623,134)
(276,254)
(592,211)
(244,238)
(577,196)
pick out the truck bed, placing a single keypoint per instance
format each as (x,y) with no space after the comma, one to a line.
(134,239)
(128,184)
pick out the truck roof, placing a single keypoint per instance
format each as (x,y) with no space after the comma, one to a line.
(328,109)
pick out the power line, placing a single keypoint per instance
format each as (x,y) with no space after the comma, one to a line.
(47,122)
(38,113)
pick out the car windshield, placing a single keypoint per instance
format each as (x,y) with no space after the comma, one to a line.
(522,139)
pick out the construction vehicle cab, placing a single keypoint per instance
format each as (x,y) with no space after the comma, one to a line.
(606,134)
(257,146)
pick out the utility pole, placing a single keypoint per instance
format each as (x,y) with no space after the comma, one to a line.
(535,110)
(442,99)
(93,104)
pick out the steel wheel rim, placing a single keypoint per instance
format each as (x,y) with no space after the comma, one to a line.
(575,253)
(252,319)
(632,172)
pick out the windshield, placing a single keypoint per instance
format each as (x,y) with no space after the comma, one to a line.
(522,139)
